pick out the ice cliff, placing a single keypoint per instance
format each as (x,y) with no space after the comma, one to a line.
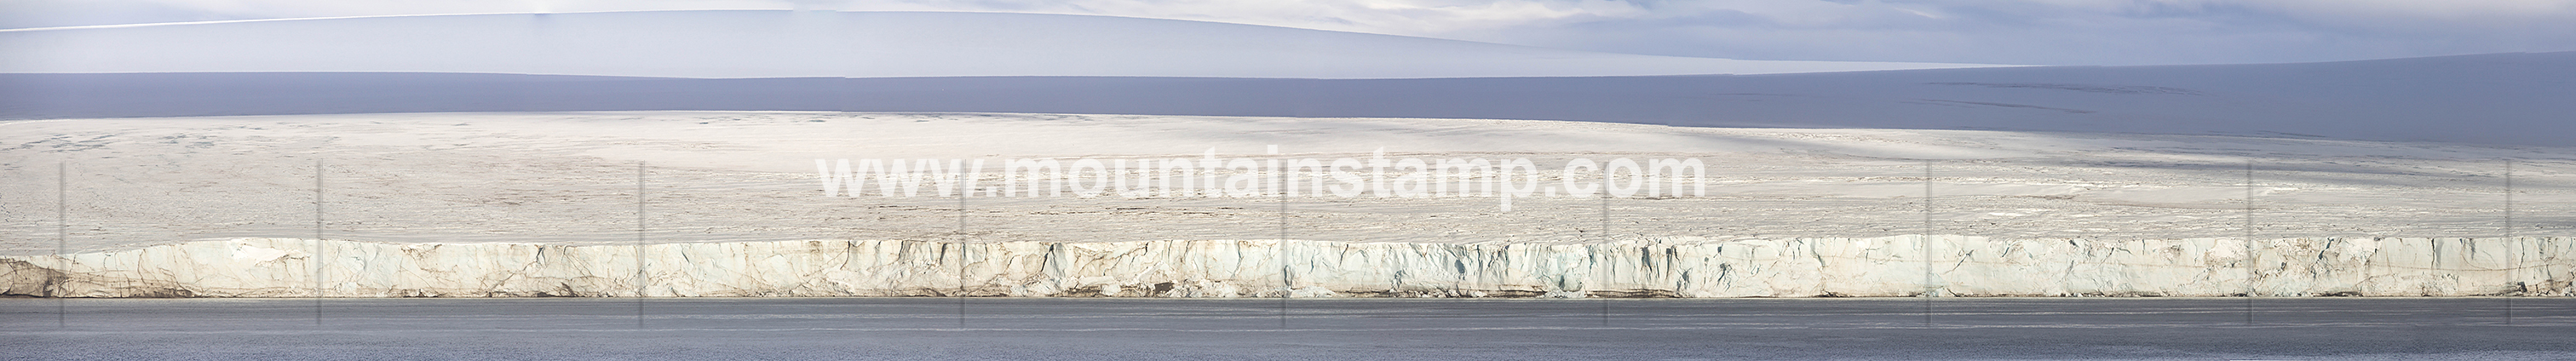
(1804,267)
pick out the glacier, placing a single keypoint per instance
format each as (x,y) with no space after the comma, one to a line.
(1892,266)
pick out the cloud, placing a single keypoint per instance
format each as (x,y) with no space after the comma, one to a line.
(2103,32)
(2066,31)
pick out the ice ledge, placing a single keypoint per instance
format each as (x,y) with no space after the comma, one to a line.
(1803,267)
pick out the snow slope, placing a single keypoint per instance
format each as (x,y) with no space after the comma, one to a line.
(775,44)
(749,176)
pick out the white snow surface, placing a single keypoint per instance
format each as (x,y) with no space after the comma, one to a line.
(749,176)
(766,44)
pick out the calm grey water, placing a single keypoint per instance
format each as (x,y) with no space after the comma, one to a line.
(1334,329)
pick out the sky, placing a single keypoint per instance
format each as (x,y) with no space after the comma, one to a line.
(2033,32)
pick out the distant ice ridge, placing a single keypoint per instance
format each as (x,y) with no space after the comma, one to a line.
(1807,267)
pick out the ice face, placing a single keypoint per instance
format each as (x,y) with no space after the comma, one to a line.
(1797,267)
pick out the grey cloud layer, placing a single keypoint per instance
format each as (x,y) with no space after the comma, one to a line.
(2061,32)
